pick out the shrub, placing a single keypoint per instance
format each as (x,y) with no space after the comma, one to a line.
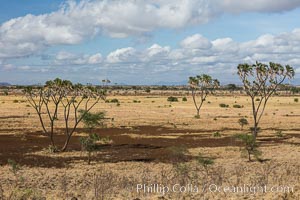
(14,166)
(296,100)
(15,101)
(197,116)
(223,105)
(172,99)
(184,99)
(92,120)
(250,146)
(257,129)
(217,134)
(148,90)
(114,101)
(52,149)
(89,144)
(204,162)
(136,101)
(242,122)
(279,134)
(237,106)
(178,153)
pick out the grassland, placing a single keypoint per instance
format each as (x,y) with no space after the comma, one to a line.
(144,130)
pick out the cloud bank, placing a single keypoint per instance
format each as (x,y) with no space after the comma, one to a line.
(75,22)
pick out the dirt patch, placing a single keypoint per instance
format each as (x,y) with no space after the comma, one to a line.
(21,148)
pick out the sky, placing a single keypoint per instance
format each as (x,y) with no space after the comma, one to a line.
(145,42)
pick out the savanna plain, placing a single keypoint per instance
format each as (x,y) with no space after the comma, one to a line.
(153,144)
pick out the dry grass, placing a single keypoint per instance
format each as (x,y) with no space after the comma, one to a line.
(119,180)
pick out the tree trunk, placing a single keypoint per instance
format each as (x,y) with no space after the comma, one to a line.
(198,113)
(89,157)
(255,131)
(66,143)
(52,140)
(249,156)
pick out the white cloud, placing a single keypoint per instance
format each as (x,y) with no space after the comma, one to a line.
(64,55)
(156,49)
(156,61)
(95,59)
(121,55)
(75,22)
(196,41)
(220,59)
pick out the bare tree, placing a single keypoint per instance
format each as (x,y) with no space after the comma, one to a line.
(201,86)
(62,93)
(260,82)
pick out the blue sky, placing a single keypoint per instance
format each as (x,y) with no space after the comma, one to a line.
(144,42)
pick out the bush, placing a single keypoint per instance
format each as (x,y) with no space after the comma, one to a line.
(279,134)
(114,101)
(296,100)
(252,129)
(243,122)
(205,162)
(223,105)
(172,99)
(251,146)
(197,116)
(184,99)
(136,101)
(237,106)
(89,144)
(217,134)
(15,101)
(92,120)
(148,90)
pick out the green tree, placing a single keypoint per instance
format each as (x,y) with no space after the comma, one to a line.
(56,94)
(260,82)
(250,146)
(201,86)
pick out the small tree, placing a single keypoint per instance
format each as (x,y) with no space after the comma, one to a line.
(251,146)
(89,144)
(91,121)
(260,82)
(58,94)
(148,90)
(47,98)
(242,122)
(201,86)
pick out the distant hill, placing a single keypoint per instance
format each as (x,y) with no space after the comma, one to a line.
(4,84)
